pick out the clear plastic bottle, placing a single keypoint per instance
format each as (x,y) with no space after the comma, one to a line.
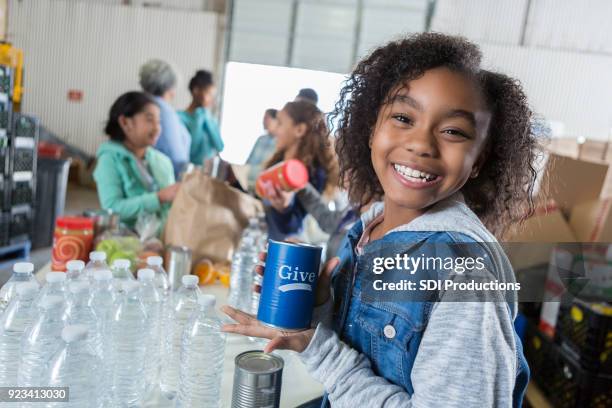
(103,303)
(76,366)
(79,311)
(152,301)
(129,348)
(41,340)
(55,286)
(121,273)
(74,270)
(14,322)
(183,303)
(97,262)
(202,340)
(241,274)
(156,263)
(22,272)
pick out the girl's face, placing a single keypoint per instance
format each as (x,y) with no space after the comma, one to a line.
(205,97)
(142,129)
(428,139)
(287,132)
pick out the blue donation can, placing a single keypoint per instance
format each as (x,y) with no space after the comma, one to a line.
(289,282)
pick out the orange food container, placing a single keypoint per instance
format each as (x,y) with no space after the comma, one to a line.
(289,175)
(205,272)
(72,239)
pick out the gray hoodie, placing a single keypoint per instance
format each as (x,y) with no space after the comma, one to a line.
(468,353)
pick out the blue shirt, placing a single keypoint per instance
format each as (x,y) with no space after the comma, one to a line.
(174,140)
(205,135)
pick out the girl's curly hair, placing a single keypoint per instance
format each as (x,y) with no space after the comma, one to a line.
(502,193)
(314,149)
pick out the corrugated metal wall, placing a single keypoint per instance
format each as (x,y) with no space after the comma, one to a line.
(98,48)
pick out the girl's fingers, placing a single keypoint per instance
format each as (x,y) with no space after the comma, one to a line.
(249,330)
(257,288)
(295,343)
(238,315)
(262,256)
(259,269)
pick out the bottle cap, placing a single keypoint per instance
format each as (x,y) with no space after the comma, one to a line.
(121,263)
(154,261)
(49,302)
(75,265)
(190,280)
(27,289)
(78,287)
(129,286)
(55,277)
(74,333)
(146,274)
(97,256)
(23,267)
(102,275)
(207,300)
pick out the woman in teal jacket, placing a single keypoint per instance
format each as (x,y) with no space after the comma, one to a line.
(131,176)
(197,118)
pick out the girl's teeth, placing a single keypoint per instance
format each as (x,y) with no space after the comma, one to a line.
(414,174)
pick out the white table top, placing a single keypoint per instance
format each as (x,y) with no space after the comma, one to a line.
(298,387)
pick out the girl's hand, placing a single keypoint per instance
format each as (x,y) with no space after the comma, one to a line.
(248,325)
(167,195)
(323,289)
(279,198)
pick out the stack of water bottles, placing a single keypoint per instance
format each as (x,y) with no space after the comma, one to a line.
(108,337)
(242,277)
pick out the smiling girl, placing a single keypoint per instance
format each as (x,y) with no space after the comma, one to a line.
(446,149)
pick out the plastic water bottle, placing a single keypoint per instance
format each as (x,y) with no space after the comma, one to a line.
(241,274)
(129,348)
(183,302)
(156,263)
(152,301)
(103,303)
(77,366)
(14,322)
(261,242)
(74,270)
(22,272)
(121,273)
(55,286)
(79,311)
(41,340)
(97,262)
(202,354)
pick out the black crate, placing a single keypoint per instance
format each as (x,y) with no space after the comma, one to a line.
(25,126)
(6,80)
(561,378)
(5,223)
(22,191)
(23,159)
(585,328)
(21,224)
(5,198)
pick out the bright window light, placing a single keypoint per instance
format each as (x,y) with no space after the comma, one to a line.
(250,89)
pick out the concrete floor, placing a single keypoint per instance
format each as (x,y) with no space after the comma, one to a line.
(78,199)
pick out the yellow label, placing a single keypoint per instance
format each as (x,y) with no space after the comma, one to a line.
(576,314)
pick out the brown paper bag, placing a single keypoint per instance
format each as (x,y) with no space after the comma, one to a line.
(208,217)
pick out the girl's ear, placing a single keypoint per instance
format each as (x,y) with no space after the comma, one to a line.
(480,162)
(124,123)
(300,130)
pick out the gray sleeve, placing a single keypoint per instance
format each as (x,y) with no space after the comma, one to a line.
(312,201)
(466,359)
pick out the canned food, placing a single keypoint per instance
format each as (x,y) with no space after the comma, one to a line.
(257,380)
(289,283)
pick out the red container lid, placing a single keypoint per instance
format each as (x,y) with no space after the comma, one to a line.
(295,174)
(74,223)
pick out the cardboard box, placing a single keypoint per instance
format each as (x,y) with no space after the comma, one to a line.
(571,181)
(543,230)
(592,221)
(567,147)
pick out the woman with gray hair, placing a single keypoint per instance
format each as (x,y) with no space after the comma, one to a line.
(159,79)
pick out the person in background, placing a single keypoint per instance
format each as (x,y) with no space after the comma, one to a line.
(303,135)
(131,176)
(264,147)
(308,95)
(159,79)
(204,129)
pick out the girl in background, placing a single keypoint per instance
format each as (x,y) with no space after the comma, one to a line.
(301,133)
(197,118)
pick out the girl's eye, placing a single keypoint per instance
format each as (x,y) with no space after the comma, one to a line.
(456,132)
(403,119)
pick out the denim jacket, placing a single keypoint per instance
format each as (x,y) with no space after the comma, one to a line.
(385,338)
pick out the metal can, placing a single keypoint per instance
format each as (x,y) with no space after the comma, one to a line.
(257,380)
(178,264)
(289,283)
